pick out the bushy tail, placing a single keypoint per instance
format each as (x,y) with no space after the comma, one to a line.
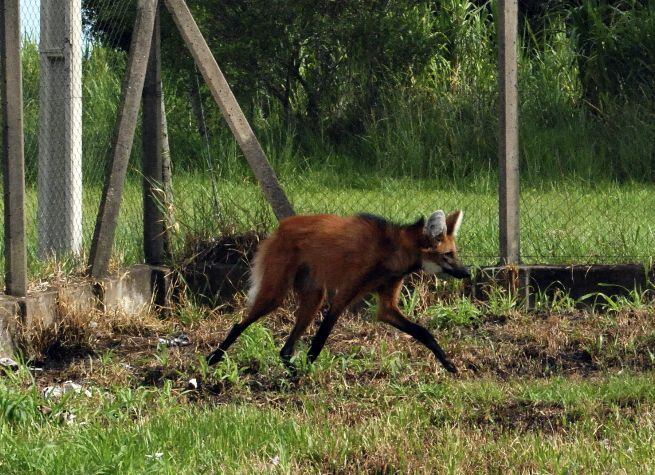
(272,270)
(257,273)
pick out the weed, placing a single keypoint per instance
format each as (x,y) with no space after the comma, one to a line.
(554,300)
(226,371)
(633,300)
(460,312)
(500,302)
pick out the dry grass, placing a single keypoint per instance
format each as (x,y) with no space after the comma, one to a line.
(105,349)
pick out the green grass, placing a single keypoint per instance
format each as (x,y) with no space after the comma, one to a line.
(561,223)
(559,390)
(600,425)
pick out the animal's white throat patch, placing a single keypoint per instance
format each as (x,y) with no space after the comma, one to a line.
(431,268)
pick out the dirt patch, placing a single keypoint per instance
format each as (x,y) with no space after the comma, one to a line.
(523,416)
(117,349)
(581,343)
(526,416)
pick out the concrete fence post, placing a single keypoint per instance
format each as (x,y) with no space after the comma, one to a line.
(13,158)
(508,143)
(60,129)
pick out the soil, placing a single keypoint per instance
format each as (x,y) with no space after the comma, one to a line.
(522,346)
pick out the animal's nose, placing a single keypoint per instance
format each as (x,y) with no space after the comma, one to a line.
(466,272)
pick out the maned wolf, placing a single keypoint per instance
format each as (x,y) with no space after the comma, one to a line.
(347,258)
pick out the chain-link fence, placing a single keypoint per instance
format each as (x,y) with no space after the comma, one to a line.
(71,91)
(339,141)
(586,163)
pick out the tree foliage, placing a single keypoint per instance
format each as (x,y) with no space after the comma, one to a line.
(332,62)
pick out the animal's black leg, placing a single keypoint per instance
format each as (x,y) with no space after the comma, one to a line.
(318,342)
(217,355)
(258,310)
(396,319)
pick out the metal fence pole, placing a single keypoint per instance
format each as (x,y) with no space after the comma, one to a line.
(154,196)
(103,235)
(508,151)
(13,159)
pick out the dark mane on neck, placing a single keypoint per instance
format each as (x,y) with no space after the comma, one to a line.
(382,222)
(374,218)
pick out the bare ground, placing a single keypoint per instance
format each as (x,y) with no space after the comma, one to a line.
(105,350)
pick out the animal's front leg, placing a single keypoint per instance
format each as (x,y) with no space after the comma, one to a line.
(396,319)
(388,312)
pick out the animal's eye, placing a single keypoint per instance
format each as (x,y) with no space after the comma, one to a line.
(449,254)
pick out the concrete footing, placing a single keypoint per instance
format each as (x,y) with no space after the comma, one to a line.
(580,282)
(8,319)
(133,291)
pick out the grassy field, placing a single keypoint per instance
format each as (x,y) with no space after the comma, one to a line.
(557,390)
(561,223)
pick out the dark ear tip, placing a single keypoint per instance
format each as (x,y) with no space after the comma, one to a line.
(420,222)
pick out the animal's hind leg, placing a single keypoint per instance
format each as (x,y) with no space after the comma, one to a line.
(337,306)
(309,302)
(262,306)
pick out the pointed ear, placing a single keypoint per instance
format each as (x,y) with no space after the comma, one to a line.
(454,221)
(435,228)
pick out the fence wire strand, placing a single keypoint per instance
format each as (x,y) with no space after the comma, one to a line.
(405,165)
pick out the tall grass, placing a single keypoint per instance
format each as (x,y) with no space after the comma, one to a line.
(441,126)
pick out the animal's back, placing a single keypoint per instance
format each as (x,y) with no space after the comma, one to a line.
(336,250)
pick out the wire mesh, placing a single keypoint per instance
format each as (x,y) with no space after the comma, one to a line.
(586,162)
(586,175)
(587,134)
(73,66)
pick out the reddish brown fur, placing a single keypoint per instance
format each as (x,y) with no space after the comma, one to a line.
(349,257)
(338,251)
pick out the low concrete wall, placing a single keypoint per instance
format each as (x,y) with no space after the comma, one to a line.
(577,281)
(8,311)
(132,291)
